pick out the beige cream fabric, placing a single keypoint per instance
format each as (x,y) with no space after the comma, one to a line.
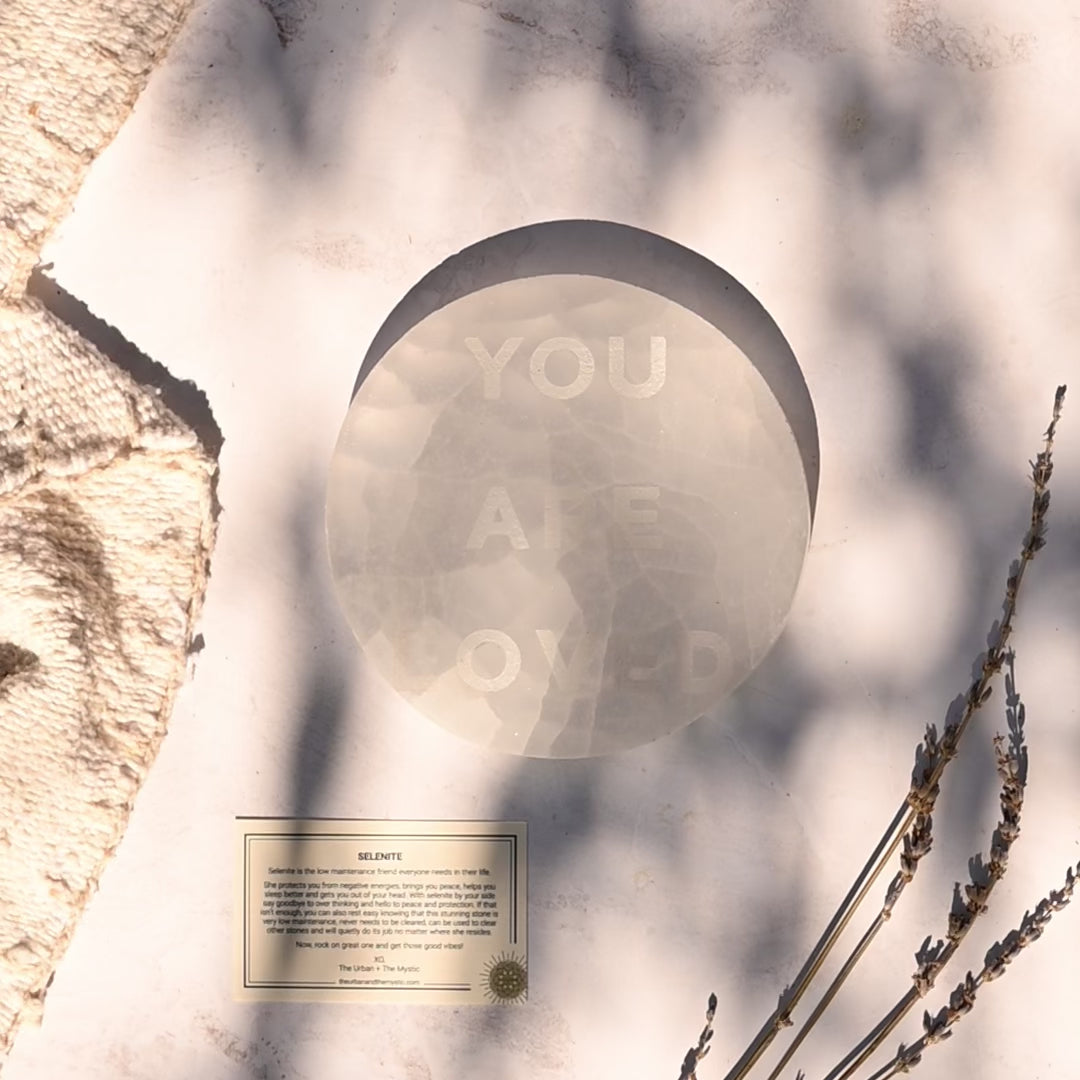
(70,71)
(106,506)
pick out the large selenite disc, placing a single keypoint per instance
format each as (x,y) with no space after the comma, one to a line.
(566,515)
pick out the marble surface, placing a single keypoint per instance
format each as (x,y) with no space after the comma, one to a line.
(897,184)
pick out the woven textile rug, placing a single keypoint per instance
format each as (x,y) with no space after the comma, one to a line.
(106,504)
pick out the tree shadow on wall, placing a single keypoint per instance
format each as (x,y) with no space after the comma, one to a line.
(679,89)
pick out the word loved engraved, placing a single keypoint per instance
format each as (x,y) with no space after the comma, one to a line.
(492,366)
(702,661)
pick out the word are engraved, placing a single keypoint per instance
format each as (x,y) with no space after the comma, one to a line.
(633,512)
(492,366)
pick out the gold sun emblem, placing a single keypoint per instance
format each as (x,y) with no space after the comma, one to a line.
(506,980)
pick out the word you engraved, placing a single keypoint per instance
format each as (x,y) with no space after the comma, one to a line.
(492,366)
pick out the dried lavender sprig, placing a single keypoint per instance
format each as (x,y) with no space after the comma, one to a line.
(918,841)
(937,1028)
(1011,758)
(696,1053)
(937,753)
(940,753)
(791,995)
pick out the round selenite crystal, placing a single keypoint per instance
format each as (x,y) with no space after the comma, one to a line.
(566,515)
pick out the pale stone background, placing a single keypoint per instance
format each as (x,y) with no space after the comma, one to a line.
(899,184)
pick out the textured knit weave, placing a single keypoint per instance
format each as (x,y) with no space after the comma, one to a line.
(106,518)
(70,71)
